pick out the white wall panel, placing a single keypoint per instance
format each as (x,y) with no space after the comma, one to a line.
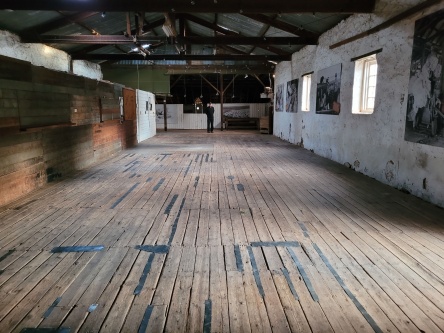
(199,120)
(146,107)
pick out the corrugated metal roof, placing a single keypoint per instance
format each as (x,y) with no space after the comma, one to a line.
(198,24)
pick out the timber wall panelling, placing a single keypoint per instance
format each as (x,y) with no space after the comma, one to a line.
(50,125)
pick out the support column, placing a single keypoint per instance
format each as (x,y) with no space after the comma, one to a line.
(165,113)
(222,118)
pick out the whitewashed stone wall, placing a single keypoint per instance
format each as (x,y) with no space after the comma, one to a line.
(45,56)
(87,69)
(371,144)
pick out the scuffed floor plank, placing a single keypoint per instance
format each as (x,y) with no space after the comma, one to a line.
(229,232)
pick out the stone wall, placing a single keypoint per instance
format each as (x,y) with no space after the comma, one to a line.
(46,56)
(372,144)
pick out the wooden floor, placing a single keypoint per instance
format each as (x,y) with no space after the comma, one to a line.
(222,232)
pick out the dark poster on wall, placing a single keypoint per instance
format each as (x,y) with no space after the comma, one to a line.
(291,102)
(279,104)
(328,90)
(425,110)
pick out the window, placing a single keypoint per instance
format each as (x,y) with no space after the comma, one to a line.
(306,84)
(364,85)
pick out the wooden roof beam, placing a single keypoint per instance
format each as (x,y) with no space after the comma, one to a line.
(180,6)
(282,25)
(202,57)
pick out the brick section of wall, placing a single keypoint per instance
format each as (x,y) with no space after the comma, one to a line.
(50,126)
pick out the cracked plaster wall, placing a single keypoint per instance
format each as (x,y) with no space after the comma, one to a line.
(45,56)
(371,144)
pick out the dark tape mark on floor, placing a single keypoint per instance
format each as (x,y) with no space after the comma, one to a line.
(158,184)
(237,254)
(52,307)
(290,283)
(164,156)
(91,174)
(304,275)
(153,248)
(196,181)
(304,229)
(124,196)
(131,163)
(171,204)
(257,278)
(176,221)
(146,319)
(207,316)
(7,254)
(144,275)
(187,169)
(92,248)
(358,305)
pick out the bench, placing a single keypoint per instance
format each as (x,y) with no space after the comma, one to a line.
(241,123)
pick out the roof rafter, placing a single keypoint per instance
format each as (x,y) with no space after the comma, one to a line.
(214,57)
(224,31)
(218,40)
(281,25)
(180,6)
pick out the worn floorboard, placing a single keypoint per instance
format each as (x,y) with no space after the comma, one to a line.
(226,232)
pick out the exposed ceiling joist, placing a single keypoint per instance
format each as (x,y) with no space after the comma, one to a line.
(215,69)
(58,23)
(197,40)
(206,24)
(240,40)
(197,57)
(182,6)
(282,25)
(224,31)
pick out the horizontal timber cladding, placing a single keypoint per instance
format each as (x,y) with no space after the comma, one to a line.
(50,126)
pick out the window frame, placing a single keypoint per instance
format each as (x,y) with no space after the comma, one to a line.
(306,92)
(361,86)
(368,63)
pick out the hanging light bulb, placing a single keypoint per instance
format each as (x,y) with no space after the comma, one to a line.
(217,84)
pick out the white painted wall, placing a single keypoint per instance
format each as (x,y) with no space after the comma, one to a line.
(87,69)
(45,56)
(372,144)
(146,115)
(199,121)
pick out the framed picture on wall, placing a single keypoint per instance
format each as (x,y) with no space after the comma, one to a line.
(279,104)
(328,90)
(291,102)
(425,110)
